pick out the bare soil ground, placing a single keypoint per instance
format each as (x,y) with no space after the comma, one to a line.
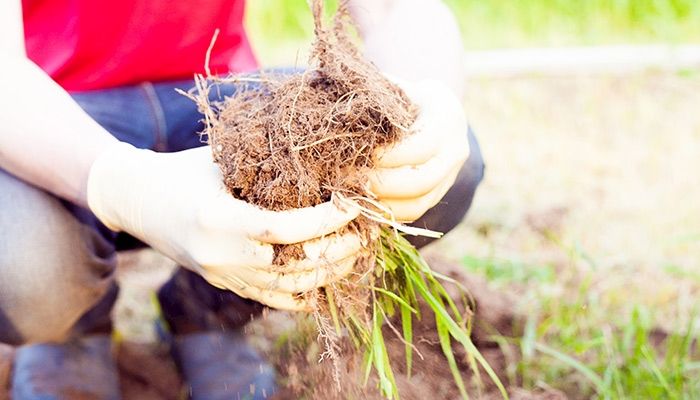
(5,367)
(304,377)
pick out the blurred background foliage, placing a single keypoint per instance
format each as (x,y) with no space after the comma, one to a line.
(280,24)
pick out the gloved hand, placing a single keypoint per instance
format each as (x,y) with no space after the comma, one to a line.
(413,175)
(176,203)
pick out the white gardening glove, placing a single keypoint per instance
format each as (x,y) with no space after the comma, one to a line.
(176,203)
(413,175)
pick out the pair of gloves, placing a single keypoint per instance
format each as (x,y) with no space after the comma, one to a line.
(176,203)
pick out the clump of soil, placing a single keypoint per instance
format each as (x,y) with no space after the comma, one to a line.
(296,140)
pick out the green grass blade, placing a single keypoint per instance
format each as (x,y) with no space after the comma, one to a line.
(390,372)
(654,367)
(403,278)
(459,335)
(387,384)
(573,363)
(367,363)
(444,335)
(359,330)
(407,328)
(409,294)
(396,298)
(440,293)
(334,311)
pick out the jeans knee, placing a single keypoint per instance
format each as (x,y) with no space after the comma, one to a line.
(53,269)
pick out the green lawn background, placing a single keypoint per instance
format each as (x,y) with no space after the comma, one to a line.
(484,24)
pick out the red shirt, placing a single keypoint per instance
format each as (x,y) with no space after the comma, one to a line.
(95,44)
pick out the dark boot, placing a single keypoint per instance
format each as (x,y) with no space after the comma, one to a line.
(222,366)
(81,369)
(204,326)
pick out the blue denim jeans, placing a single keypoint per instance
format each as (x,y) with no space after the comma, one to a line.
(57,260)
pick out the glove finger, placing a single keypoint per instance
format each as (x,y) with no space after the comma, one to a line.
(217,250)
(218,281)
(327,259)
(273,296)
(424,140)
(408,210)
(299,225)
(270,298)
(415,181)
(328,249)
(440,115)
(274,299)
(420,145)
(298,282)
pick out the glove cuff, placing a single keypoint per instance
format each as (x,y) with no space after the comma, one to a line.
(107,189)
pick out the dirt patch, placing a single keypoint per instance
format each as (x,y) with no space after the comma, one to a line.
(6,353)
(147,372)
(304,376)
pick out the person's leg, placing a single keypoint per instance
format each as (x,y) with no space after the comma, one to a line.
(190,304)
(56,272)
(53,268)
(56,287)
(53,254)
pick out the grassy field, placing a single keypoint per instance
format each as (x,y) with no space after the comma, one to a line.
(278,25)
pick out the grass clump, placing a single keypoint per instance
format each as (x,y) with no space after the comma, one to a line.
(574,343)
(404,280)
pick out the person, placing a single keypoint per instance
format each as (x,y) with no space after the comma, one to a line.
(99,153)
